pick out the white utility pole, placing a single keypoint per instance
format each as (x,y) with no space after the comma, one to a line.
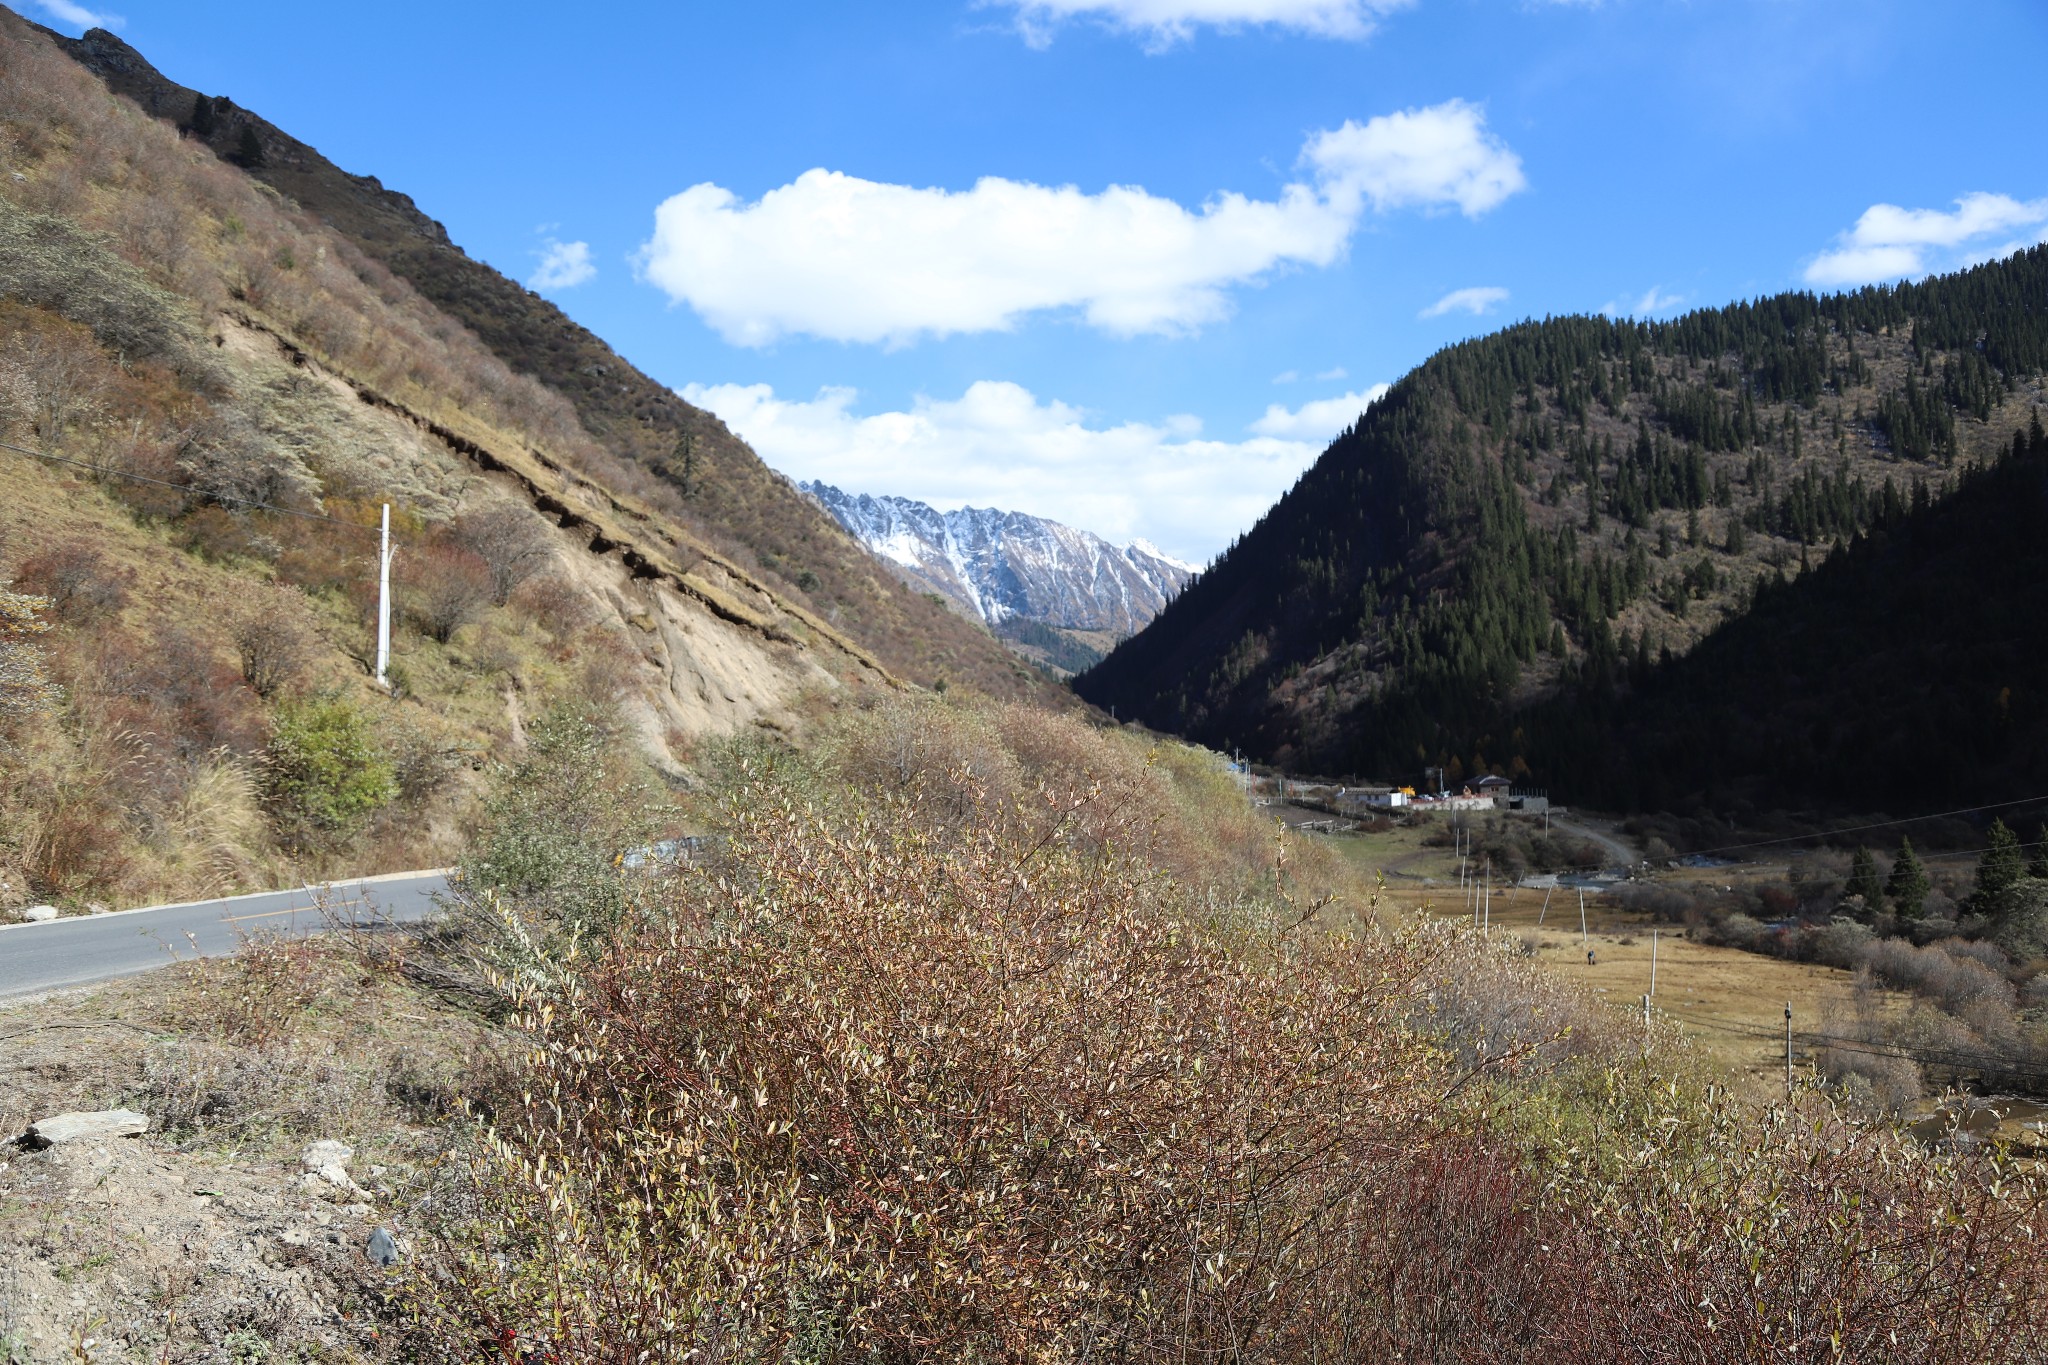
(1546,905)
(384,602)
(1788,1049)
(1653,962)
(1582,917)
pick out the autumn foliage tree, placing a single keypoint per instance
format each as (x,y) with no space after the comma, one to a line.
(510,541)
(323,771)
(447,586)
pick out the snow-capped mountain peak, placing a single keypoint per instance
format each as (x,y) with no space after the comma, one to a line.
(994,564)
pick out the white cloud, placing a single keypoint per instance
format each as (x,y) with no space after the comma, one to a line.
(1287,376)
(853,260)
(1165,22)
(1653,302)
(999,445)
(1889,242)
(1318,421)
(834,256)
(1418,158)
(1476,300)
(563,265)
(67,12)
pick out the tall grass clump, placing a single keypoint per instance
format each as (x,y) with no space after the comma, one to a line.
(545,867)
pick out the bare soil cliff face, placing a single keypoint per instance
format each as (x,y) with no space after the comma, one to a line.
(705,650)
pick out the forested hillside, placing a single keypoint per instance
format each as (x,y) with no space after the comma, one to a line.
(1550,510)
(715,493)
(1908,673)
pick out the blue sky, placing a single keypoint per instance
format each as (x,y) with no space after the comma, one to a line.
(1131,263)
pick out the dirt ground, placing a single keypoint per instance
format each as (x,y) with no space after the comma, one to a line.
(208,1239)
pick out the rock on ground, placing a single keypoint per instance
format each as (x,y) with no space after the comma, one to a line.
(94,1126)
(326,1171)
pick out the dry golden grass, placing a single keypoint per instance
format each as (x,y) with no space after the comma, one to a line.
(1720,998)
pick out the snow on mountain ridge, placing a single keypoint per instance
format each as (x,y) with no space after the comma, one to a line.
(1146,547)
(995,564)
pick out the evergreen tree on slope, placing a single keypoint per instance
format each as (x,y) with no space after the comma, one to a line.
(1908,885)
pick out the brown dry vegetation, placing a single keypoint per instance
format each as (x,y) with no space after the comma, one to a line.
(143,781)
(980,1035)
(987,1039)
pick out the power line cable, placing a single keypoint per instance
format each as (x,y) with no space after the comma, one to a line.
(186,488)
(1876,824)
(1974,852)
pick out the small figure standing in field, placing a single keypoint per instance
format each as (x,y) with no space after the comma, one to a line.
(1589,955)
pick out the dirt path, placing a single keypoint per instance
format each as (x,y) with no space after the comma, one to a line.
(1598,832)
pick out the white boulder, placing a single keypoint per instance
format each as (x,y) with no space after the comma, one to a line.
(327,1153)
(326,1171)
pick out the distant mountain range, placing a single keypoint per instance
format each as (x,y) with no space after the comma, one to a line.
(1011,570)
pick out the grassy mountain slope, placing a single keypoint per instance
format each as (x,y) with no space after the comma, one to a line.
(1552,508)
(709,487)
(229,389)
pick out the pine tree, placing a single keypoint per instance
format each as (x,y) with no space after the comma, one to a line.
(1907,887)
(250,150)
(1998,871)
(685,463)
(2037,864)
(1863,882)
(202,122)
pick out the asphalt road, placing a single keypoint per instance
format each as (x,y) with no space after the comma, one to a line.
(79,950)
